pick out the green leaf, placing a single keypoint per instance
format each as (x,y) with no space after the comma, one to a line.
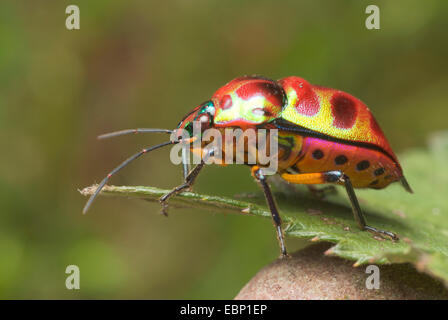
(420,219)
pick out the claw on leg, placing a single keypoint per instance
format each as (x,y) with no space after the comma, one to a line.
(164,199)
(382,233)
(164,209)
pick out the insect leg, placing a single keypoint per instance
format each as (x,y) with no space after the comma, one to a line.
(258,175)
(189,181)
(335,177)
(359,217)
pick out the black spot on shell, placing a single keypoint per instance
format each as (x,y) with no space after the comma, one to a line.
(374,182)
(362,165)
(378,172)
(318,154)
(340,160)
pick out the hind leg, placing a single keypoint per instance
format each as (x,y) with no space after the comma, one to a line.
(338,177)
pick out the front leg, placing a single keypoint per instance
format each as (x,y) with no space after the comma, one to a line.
(188,183)
(257,173)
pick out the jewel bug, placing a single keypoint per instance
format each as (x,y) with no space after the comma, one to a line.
(324,136)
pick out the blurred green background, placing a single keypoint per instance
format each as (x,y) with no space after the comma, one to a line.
(146,64)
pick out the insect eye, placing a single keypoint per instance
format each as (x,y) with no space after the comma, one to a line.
(210,109)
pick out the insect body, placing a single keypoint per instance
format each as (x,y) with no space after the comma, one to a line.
(324,136)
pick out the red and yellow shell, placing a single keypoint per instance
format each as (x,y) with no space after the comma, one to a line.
(331,112)
(329,129)
(344,135)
